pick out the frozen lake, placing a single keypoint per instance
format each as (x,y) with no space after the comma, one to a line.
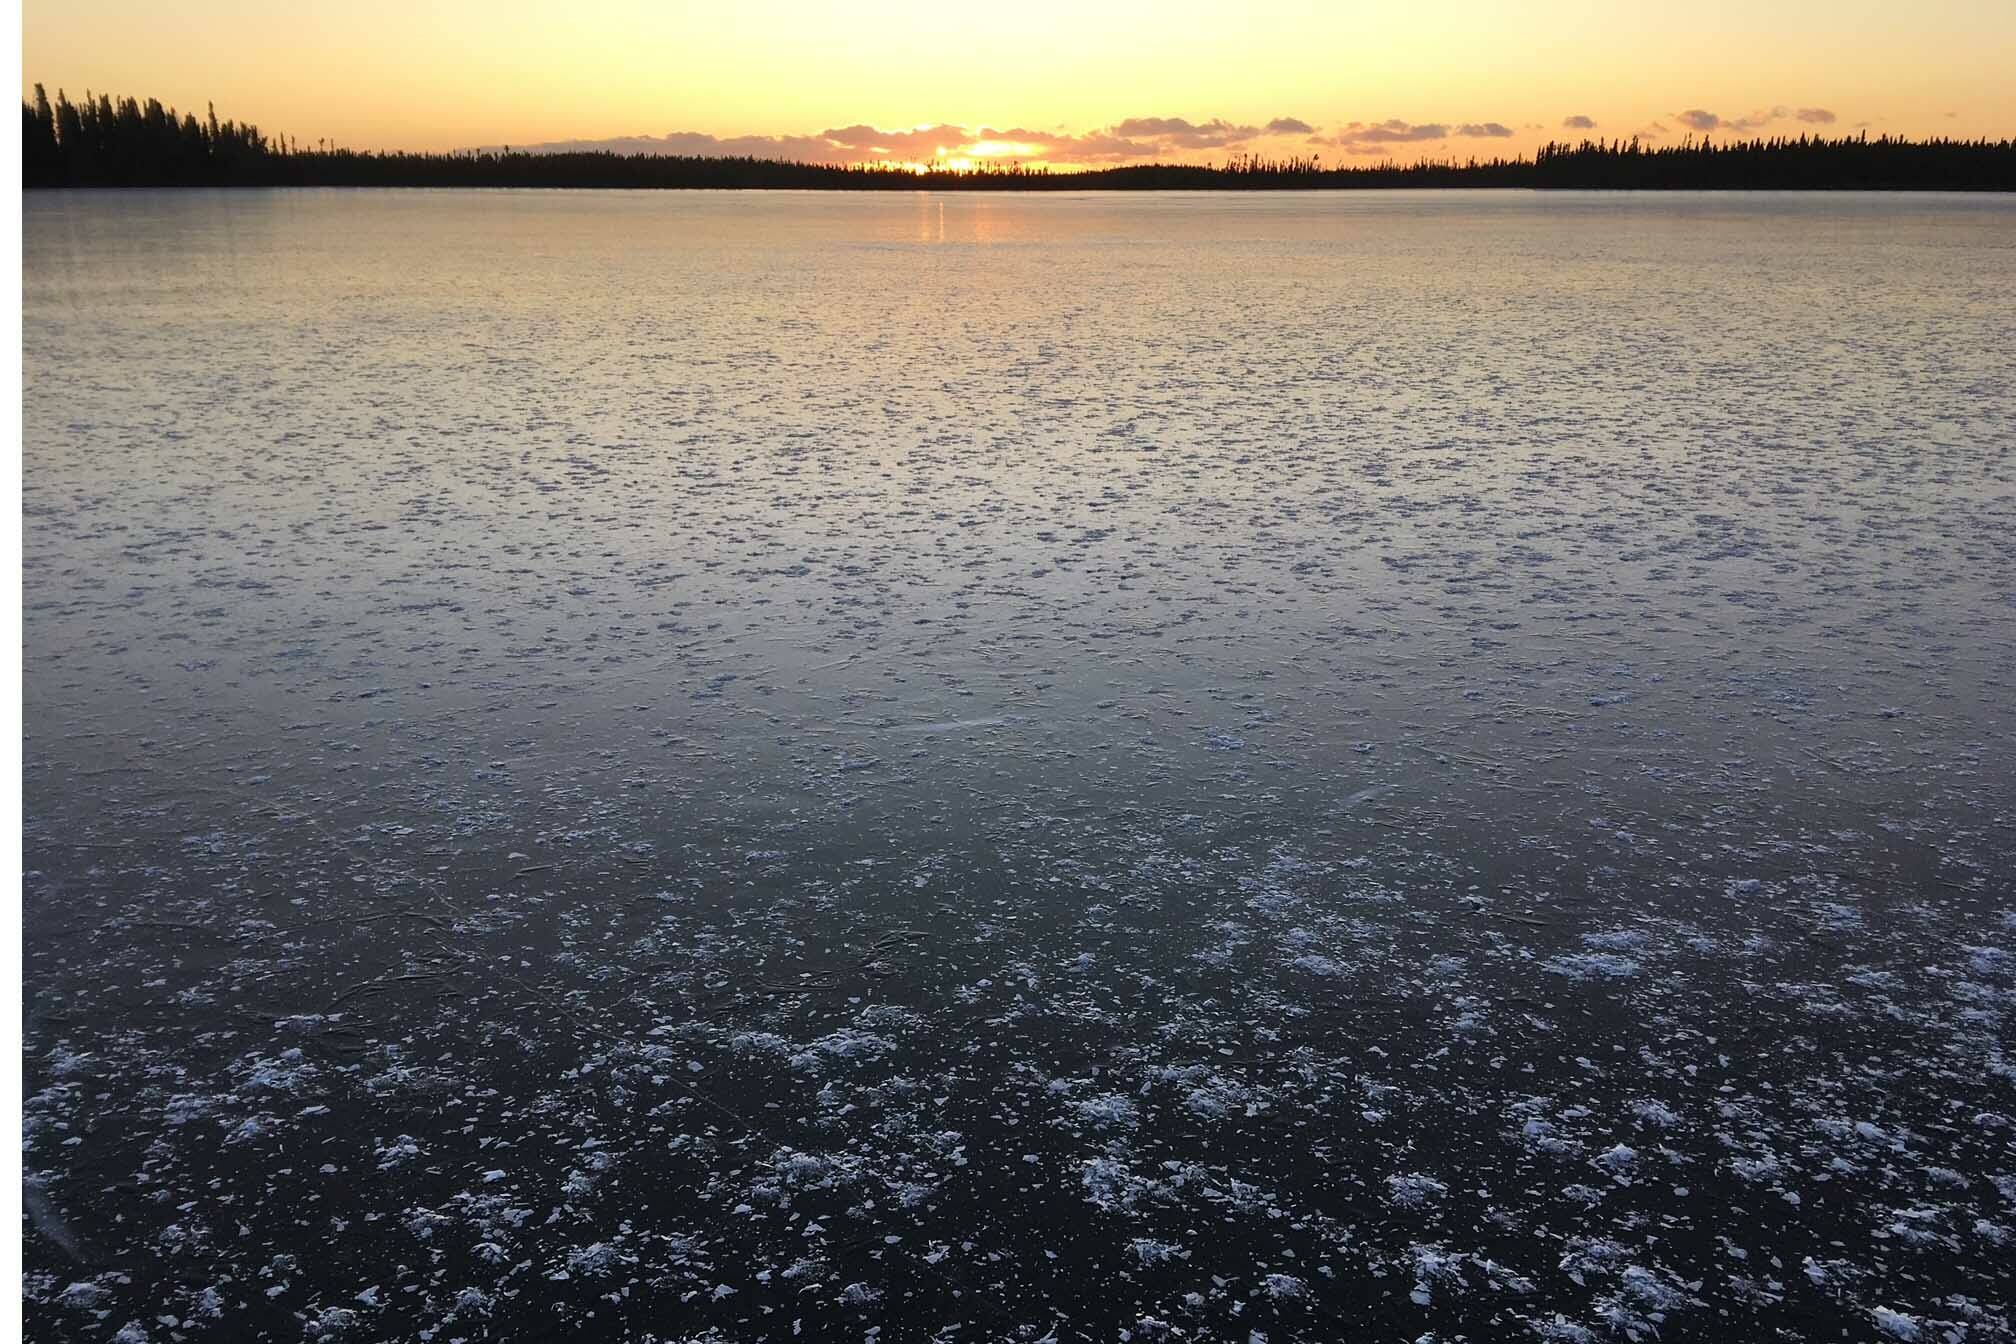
(686,766)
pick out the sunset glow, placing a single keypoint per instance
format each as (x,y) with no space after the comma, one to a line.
(1062,84)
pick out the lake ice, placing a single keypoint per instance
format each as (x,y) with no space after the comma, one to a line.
(722,767)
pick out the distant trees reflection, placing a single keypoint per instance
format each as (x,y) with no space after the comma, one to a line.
(103,142)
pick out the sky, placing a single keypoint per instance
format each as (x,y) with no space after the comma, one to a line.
(1072,83)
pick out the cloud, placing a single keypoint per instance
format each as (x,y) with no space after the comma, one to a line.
(1290,126)
(1378,137)
(1180,133)
(1757,121)
(920,145)
(1579,123)
(1697,119)
(1389,132)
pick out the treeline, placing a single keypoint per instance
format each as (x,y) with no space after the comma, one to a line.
(1782,163)
(101,142)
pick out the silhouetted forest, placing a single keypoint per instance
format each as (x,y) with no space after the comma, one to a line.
(126,143)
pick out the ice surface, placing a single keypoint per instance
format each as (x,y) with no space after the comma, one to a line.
(701,766)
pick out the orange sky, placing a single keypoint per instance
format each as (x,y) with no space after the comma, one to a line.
(1063,82)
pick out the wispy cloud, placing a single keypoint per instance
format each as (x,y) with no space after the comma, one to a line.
(1178,133)
(1699,119)
(1382,137)
(1379,137)
(1579,123)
